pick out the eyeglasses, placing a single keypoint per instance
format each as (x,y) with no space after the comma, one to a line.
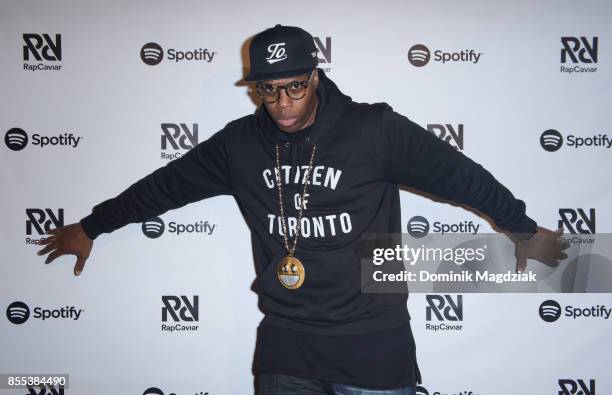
(294,90)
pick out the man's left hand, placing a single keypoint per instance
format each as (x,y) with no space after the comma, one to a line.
(545,246)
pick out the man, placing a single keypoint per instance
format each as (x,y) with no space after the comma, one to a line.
(311,172)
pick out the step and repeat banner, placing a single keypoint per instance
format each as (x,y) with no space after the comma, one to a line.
(95,95)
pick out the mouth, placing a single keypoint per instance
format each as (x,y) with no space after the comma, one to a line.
(289,279)
(287,121)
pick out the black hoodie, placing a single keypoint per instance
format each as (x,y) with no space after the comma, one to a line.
(363,153)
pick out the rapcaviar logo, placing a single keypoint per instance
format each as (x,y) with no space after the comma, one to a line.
(155,227)
(420,390)
(324,49)
(576,387)
(448,133)
(38,49)
(418,226)
(419,55)
(551,140)
(180,309)
(444,308)
(39,221)
(177,137)
(152,54)
(577,221)
(47,389)
(550,311)
(277,53)
(19,312)
(576,51)
(157,391)
(16,139)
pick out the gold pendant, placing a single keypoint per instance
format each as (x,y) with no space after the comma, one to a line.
(290,272)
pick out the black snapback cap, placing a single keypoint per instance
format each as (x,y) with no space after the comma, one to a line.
(281,52)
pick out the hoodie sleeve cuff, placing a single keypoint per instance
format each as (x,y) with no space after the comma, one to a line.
(524,229)
(91,227)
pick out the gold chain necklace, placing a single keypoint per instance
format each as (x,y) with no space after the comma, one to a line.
(290,270)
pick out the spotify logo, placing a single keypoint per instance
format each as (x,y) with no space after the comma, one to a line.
(551,140)
(16,139)
(153,391)
(151,53)
(18,312)
(419,55)
(421,390)
(153,228)
(550,311)
(418,226)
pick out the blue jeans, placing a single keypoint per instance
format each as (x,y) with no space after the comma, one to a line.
(280,384)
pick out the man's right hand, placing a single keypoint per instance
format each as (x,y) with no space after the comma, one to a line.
(68,240)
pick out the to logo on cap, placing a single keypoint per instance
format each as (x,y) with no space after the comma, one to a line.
(277,53)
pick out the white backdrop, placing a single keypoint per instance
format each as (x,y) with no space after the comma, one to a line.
(106,96)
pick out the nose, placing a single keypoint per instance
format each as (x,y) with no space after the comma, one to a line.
(284,101)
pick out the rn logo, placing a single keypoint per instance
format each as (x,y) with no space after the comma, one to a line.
(180,309)
(577,221)
(418,227)
(157,391)
(579,50)
(325,51)
(41,48)
(151,53)
(419,55)
(187,310)
(16,139)
(550,311)
(40,221)
(445,308)
(448,133)
(277,53)
(19,312)
(551,140)
(576,387)
(48,389)
(177,137)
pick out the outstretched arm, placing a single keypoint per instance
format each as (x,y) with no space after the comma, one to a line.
(410,155)
(203,172)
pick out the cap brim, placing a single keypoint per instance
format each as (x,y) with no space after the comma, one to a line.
(278,74)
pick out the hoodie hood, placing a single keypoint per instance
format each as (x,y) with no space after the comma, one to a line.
(331,105)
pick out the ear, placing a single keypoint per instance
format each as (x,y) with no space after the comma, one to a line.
(315,78)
